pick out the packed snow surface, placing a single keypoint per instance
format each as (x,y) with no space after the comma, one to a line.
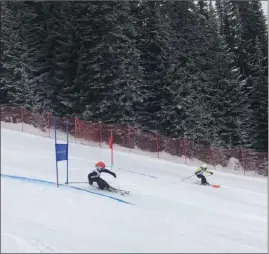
(162,214)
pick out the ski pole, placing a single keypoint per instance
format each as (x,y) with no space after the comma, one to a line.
(187,177)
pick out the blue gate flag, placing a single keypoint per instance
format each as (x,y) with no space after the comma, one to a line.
(61,152)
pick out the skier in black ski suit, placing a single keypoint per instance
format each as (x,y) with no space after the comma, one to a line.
(94,176)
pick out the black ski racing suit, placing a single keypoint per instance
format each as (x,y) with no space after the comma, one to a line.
(94,176)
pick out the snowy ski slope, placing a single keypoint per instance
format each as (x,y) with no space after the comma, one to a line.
(163,214)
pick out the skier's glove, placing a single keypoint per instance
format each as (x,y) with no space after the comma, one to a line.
(115,175)
(211,173)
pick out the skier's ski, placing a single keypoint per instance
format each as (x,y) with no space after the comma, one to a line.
(122,192)
(210,185)
(112,189)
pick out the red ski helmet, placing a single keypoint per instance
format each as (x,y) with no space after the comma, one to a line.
(100,164)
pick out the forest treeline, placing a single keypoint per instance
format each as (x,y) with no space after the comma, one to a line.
(179,68)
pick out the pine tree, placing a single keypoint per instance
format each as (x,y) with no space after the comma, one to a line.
(176,93)
(12,49)
(258,76)
(206,81)
(24,56)
(109,70)
(65,51)
(189,79)
(226,99)
(246,36)
(34,38)
(152,43)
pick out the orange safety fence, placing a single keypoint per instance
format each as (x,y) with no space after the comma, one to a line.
(133,139)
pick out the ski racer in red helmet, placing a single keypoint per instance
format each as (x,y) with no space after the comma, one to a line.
(94,176)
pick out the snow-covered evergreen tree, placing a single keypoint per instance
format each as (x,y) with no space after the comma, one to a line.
(109,69)
(246,36)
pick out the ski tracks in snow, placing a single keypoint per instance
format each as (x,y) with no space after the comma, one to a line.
(24,244)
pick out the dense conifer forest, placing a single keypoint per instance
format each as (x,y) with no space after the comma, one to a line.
(179,68)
